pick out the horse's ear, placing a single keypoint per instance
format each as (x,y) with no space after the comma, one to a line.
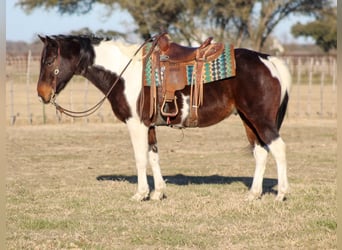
(52,41)
(49,39)
(43,39)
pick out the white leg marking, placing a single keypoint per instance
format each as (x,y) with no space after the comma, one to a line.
(185,111)
(159,183)
(278,150)
(138,133)
(260,156)
(186,108)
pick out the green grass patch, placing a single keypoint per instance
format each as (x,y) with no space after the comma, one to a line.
(325,224)
(29,223)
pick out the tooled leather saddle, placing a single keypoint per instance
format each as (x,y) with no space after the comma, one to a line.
(170,67)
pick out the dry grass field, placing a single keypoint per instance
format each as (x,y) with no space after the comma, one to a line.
(55,200)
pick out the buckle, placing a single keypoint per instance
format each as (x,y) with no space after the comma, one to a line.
(164,58)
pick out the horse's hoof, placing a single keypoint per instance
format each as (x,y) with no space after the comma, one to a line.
(253,196)
(140,197)
(280,197)
(158,196)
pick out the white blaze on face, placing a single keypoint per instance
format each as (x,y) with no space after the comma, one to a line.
(114,56)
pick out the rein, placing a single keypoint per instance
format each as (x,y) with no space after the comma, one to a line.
(88,112)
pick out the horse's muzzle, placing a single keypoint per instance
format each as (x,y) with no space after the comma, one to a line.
(45,92)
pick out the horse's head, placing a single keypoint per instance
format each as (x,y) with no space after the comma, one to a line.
(59,62)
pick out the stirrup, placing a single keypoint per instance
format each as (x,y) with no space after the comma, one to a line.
(170,114)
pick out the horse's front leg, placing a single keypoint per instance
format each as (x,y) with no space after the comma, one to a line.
(159,184)
(138,133)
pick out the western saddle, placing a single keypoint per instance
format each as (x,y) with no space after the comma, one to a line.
(170,63)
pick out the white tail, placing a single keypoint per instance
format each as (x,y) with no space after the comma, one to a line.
(279,69)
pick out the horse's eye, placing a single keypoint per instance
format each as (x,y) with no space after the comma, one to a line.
(49,62)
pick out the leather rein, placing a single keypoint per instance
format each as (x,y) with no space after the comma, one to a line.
(93,109)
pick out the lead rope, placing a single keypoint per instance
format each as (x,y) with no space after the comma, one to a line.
(88,112)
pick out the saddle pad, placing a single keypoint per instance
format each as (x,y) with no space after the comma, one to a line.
(218,69)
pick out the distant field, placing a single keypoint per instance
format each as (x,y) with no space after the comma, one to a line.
(54,200)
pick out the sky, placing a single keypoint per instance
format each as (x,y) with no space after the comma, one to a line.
(25,27)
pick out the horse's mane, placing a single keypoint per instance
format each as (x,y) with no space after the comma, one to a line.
(79,38)
(86,40)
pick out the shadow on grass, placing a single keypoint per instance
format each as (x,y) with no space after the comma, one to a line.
(183,180)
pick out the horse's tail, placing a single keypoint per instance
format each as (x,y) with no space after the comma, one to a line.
(282,110)
(284,76)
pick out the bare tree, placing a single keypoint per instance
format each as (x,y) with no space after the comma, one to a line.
(243,22)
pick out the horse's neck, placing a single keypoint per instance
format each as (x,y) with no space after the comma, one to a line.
(110,58)
(103,72)
(113,55)
(107,55)
(102,79)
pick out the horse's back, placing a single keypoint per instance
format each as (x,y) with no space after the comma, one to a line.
(247,59)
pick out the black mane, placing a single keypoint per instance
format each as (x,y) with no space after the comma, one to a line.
(79,46)
(92,39)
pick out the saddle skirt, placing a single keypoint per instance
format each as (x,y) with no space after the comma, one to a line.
(214,69)
(171,67)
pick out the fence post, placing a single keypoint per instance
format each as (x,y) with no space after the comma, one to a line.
(28,76)
(44,114)
(71,100)
(322,88)
(86,90)
(333,109)
(100,114)
(299,72)
(289,63)
(310,86)
(13,116)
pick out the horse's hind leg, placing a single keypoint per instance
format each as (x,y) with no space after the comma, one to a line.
(262,144)
(159,184)
(278,150)
(260,156)
(270,137)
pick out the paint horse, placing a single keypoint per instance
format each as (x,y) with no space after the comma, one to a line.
(258,94)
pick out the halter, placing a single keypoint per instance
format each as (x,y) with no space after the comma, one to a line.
(88,112)
(55,74)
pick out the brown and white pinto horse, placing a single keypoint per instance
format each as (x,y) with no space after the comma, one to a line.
(258,94)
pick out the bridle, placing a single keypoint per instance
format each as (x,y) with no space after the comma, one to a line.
(93,109)
(55,75)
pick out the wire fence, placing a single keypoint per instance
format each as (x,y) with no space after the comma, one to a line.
(314,90)
(313,93)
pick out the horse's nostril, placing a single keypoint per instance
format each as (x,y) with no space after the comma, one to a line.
(43,100)
(44,92)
